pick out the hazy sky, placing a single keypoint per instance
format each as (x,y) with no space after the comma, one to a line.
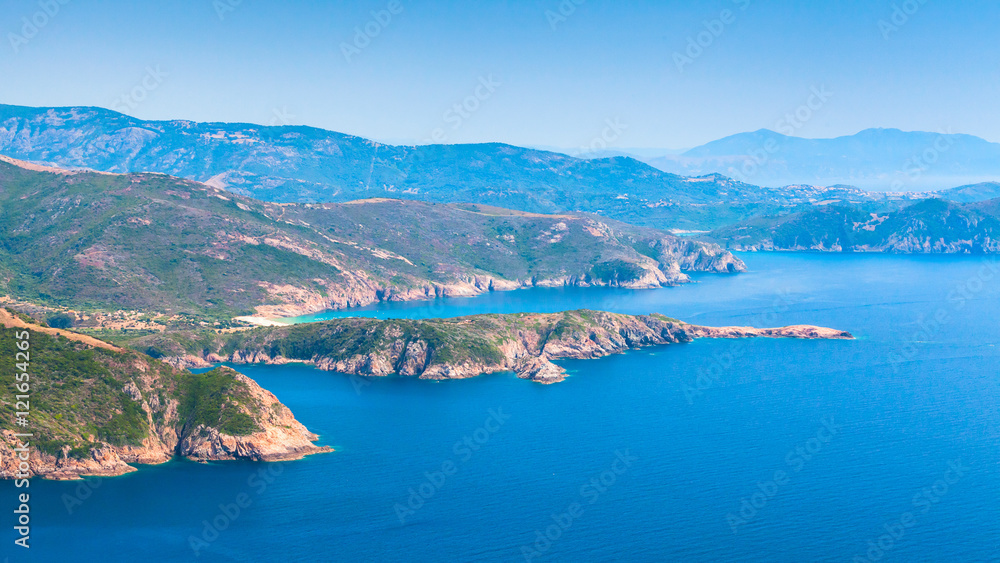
(548,72)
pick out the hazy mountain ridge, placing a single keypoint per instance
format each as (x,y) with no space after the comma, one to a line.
(983,191)
(304,164)
(876,159)
(328,166)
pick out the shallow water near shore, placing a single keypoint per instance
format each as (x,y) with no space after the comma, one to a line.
(669,453)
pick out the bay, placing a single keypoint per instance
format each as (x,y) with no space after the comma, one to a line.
(680,439)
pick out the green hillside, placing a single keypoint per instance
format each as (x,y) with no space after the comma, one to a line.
(155,243)
(929,226)
(80,397)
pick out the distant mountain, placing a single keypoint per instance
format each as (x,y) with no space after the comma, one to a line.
(155,243)
(969,194)
(308,165)
(874,159)
(304,164)
(588,152)
(929,226)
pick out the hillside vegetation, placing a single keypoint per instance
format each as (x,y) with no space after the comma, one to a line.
(447,348)
(95,408)
(156,243)
(930,226)
(310,165)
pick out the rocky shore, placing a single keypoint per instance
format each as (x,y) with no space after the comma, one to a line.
(107,407)
(280,438)
(356,289)
(466,347)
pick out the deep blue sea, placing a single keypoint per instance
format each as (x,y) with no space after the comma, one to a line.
(886,448)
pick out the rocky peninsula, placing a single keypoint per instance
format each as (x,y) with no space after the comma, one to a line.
(451,348)
(101,407)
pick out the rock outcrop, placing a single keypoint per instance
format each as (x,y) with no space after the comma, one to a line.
(280,437)
(114,407)
(678,257)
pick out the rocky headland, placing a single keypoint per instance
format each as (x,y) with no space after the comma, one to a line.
(102,408)
(451,348)
(162,248)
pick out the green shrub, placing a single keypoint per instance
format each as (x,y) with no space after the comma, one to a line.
(213,399)
(61,320)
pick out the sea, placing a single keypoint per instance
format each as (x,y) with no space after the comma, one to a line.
(882,448)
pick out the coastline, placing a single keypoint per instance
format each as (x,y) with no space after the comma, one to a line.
(463,347)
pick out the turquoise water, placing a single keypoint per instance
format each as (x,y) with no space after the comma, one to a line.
(831,444)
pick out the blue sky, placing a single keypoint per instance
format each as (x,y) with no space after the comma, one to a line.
(556,73)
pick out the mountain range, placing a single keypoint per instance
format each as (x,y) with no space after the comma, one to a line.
(305,165)
(309,165)
(886,160)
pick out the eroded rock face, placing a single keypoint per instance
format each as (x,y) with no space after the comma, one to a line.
(280,437)
(357,289)
(415,359)
(701,256)
(539,370)
(794,331)
(524,344)
(101,461)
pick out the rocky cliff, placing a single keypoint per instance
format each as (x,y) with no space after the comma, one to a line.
(96,408)
(453,348)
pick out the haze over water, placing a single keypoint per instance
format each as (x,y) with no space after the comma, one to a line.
(863,431)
